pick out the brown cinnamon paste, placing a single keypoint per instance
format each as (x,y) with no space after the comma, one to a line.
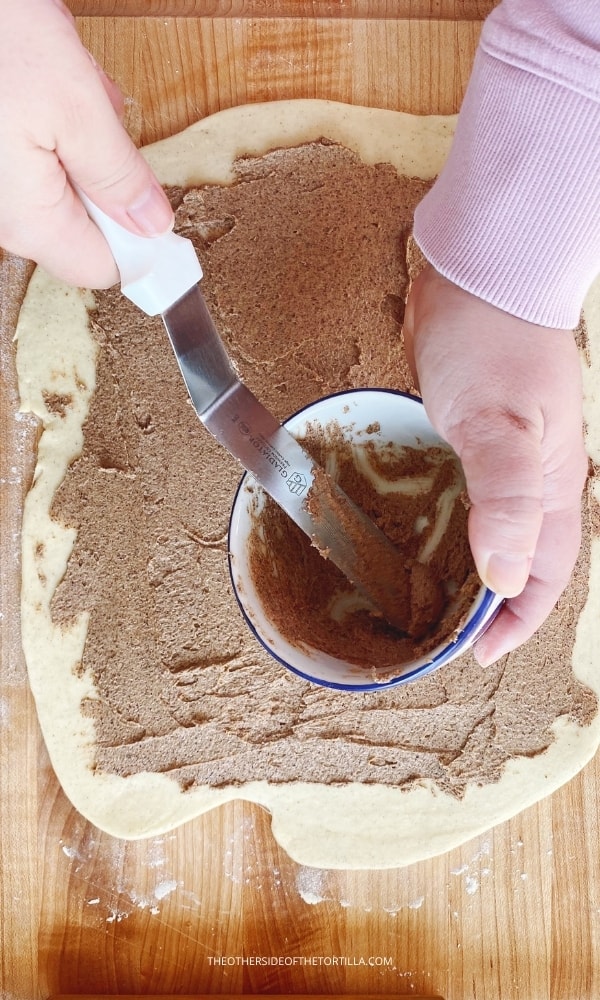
(305,261)
(416,497)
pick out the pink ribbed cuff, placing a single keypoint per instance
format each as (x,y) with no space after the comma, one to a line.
(514,217)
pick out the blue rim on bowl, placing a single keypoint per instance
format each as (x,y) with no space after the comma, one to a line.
(401,418)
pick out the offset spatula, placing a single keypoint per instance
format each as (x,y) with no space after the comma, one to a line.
(161,275)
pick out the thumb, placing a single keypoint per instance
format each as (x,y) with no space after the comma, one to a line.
(501,458)
(102,160)
(124,187)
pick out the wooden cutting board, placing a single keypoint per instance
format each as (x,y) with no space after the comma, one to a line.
(216,907)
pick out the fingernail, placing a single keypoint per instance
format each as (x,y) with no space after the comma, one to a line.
(152,213)
(505,574)
(484,659)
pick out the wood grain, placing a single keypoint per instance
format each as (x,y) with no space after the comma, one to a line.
(454,10)
(216,907)
(177,71)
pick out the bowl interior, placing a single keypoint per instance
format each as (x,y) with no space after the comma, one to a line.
(368,414)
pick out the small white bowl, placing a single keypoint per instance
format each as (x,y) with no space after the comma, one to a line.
(401,419)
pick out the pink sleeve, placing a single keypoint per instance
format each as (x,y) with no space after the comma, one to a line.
(514,217)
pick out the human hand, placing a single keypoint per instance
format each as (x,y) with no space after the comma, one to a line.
(60,122)
(507,396)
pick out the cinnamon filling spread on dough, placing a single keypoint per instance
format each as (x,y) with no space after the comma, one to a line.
(305,261)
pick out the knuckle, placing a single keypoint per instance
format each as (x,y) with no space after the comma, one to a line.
(490,425)
(123,172)
(512,517)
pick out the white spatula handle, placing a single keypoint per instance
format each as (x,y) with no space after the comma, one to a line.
(155,270)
